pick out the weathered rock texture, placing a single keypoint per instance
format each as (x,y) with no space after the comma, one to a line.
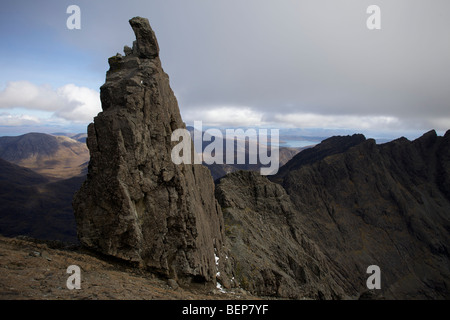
(337,208)
(387,205)
(136,204)
(340,207)
(271,255)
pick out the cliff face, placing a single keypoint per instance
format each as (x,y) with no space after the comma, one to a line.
(339,208)
(385,205)
(270,253)
(136,204)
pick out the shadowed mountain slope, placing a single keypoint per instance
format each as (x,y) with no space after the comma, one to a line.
(56,157)
(385,205)
(31,205)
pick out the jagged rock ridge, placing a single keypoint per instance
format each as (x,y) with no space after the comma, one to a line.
(347,203)
(385,205)
(270,252)
(136,204)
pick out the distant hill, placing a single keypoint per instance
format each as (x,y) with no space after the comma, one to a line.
(220,170)
(32,205)
(55,157)
(81,137)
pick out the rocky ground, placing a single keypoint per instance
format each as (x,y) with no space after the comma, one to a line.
(37,270)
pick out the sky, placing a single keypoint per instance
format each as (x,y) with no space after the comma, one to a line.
(307,64)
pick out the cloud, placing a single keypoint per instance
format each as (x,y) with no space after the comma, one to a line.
(82,103)
(287,63)
(69,102)
(7,119)
(220,116)
(244,116)
(310,120)
(316,60)
(24,94)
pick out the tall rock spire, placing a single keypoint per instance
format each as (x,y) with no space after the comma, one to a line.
(136,204)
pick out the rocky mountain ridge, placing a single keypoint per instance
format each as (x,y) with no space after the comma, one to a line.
(310,231)
(385,205)
(136,204)
(357,204)
(270,252)
(330,212)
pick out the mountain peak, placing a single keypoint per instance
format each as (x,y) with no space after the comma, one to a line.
(327,147)
(136,204)
(57,157)
(146,45)
(366,200)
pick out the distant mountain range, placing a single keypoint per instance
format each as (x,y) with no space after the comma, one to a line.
(55,157)
(362,203)
(80,137)
(220,170)
(40,173)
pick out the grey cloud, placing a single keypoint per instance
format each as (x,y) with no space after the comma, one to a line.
(291,56)
(318,57)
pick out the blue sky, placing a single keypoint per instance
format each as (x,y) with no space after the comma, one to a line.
(303,64)
(35,48)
